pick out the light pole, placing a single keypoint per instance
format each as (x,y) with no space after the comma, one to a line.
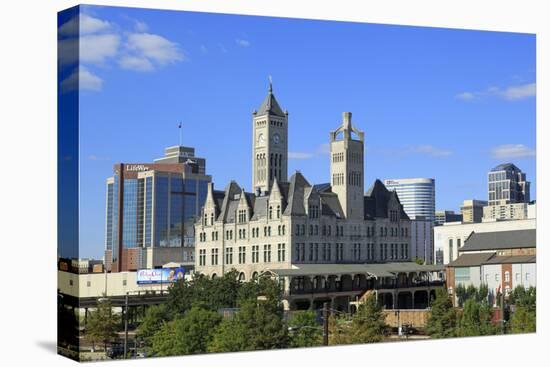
(126,326)
(325,323)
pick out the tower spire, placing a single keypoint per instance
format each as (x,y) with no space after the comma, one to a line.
(270,84)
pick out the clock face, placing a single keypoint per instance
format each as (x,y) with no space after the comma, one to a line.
(276,138)
(261,139)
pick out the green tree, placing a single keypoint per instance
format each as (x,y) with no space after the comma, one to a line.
(189,334)
(460,293)
(368,324)
(155,317)
(201,291)
(482,293)
(475,319)
(419,261)
(442,320)
(524,318)
(306,331)
(102,324)
(259,322)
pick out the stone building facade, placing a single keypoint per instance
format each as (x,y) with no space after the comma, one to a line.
(286,223)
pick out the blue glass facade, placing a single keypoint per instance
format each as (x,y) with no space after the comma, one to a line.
(161,212)
(109,221)
(176,211)
(157,211)
(115,219)
(129,214)
(148,210)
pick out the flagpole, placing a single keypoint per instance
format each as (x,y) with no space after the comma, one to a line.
(179,127)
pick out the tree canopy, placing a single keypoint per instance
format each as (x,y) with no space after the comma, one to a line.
(443,319)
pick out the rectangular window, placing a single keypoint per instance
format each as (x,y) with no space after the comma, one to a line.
(281,252)
(311,252)
(202,257)
(229,256)
(255,253)
(214,256)
(242,254)
(267,253)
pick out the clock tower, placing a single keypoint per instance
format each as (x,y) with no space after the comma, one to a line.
(269,144)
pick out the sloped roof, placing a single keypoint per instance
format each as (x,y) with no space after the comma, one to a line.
(376,201)
(524,238)
(270,106)
(472,259)
(505,166)
(377,270)
(523,259)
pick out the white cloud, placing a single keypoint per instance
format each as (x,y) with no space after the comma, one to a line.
(511,93)
(466,96)
(83,79)
(140,26)
(519,92)
(507,151)
(88,25)
(242,42)
(300,155)
(154,47)
(97,48)
(430,150)
(135,63)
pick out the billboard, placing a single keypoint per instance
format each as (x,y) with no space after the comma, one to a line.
(157,276)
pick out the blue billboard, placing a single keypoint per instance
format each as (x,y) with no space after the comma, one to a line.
(158,276)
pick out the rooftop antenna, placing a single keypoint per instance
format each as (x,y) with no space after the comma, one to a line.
(180,131)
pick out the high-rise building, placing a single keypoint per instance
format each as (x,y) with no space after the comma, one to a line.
(446,216)
(472,211)
(416,194)
(151,209)
(508,185)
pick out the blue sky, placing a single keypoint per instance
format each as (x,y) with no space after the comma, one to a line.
(441,103)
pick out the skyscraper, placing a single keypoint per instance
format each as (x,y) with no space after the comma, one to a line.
(416,194)
(151,209)
(508,185)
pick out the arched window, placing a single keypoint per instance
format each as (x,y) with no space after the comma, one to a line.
(241,277)
(278,211)
(270,212)
(214,276)
(255,276)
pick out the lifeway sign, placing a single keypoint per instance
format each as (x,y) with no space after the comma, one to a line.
(136,168)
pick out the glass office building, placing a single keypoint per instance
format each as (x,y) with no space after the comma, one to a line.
(151,210)
(416,194)
(508,185)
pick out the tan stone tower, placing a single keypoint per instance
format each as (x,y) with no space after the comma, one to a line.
(346,167)
(269,144)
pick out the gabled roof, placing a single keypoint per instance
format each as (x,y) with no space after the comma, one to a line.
(523,238)
(376,201)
